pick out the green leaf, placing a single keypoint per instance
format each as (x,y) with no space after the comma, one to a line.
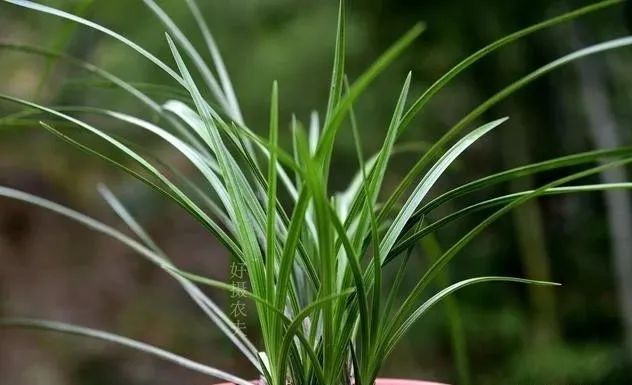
(199,62)
(404,315)
(507,91)
(423,187)
(120,340)
(222,73)
(521,171)
(449,290)
(204,302)
(338,71)
(359,86)
(146,252)
(180,197)
(77,19)
(431,228)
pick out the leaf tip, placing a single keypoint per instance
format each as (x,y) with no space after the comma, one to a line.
(419,27)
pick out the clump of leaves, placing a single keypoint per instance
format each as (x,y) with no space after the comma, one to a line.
(314,259)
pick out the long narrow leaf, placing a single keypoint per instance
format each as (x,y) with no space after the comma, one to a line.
(507,91)
(68,16)
(428,181)
(120,340)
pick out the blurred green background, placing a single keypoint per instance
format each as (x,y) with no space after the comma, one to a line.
(53,268)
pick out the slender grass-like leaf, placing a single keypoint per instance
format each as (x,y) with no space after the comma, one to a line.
(478,111)
(216,56)
(433,227)
(459,285)
(359,86)
(111,232)
(120,340)
(199,62)
(338,71)
(68,16)
(405,317)
(521,171)
(428,181)
(207,305)
(181,197)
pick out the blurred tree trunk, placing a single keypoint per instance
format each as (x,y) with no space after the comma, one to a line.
(605,134)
